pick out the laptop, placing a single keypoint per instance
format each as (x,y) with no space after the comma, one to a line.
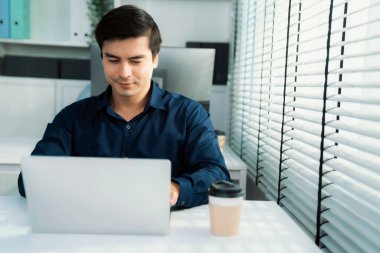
(97,195)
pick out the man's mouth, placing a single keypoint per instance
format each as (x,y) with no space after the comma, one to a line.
(124,82)
(125,85)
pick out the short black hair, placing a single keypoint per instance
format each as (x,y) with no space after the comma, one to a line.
(128,21)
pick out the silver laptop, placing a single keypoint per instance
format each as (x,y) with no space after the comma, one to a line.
(97,195)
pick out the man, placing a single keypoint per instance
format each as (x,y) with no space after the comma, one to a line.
(134,117)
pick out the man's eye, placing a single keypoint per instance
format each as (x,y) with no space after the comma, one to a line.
(113,60)
(136,62)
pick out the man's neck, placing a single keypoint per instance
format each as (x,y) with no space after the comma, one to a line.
(128,107)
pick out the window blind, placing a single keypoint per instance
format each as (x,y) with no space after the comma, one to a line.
(237,75)
(305,96)
(350,209)
(308,26)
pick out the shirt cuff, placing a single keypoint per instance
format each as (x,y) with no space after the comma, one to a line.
(185,194)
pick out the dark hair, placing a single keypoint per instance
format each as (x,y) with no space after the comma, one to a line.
(125,22)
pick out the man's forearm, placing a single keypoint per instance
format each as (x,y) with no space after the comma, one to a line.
(194,187)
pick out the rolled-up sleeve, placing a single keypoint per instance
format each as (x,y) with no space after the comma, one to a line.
(202,156)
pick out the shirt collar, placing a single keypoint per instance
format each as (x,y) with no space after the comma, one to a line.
(155,100)
(103,100)
(156,97)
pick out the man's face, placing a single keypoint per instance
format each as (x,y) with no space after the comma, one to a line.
(128,67)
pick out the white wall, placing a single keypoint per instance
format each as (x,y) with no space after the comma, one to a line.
(194,20)
(185,20)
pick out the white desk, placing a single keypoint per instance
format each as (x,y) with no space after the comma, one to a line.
(12,150)
(264,228)
(236,167)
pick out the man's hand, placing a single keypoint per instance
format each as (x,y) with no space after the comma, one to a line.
(174,193)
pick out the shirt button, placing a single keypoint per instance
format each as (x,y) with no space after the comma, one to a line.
(128,127)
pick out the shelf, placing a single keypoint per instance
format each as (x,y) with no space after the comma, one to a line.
(44,43)
(58,29)
(40,48)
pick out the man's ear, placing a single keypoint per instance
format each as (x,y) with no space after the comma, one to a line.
(155,61)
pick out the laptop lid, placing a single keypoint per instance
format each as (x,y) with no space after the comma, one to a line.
(97,195)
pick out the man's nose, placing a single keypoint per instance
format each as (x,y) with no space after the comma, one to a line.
(125,70)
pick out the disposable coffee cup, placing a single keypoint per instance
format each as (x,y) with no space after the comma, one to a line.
(221,139)
(225,200)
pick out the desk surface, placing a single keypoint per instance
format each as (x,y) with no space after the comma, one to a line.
(11,150)
(265,227)
(233,161)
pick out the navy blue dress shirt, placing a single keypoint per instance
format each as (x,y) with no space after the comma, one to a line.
(171,127)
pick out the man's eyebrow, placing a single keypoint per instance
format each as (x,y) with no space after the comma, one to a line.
(110,55)
(137,57)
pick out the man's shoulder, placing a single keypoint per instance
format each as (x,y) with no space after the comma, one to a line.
(171,99)
(84,106)
(164,99)
(184,107)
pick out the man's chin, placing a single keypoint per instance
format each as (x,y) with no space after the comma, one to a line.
(126,90)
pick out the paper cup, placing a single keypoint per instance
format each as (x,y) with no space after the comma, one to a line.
(225,200)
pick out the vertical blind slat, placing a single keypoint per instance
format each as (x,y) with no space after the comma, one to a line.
(283,151)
